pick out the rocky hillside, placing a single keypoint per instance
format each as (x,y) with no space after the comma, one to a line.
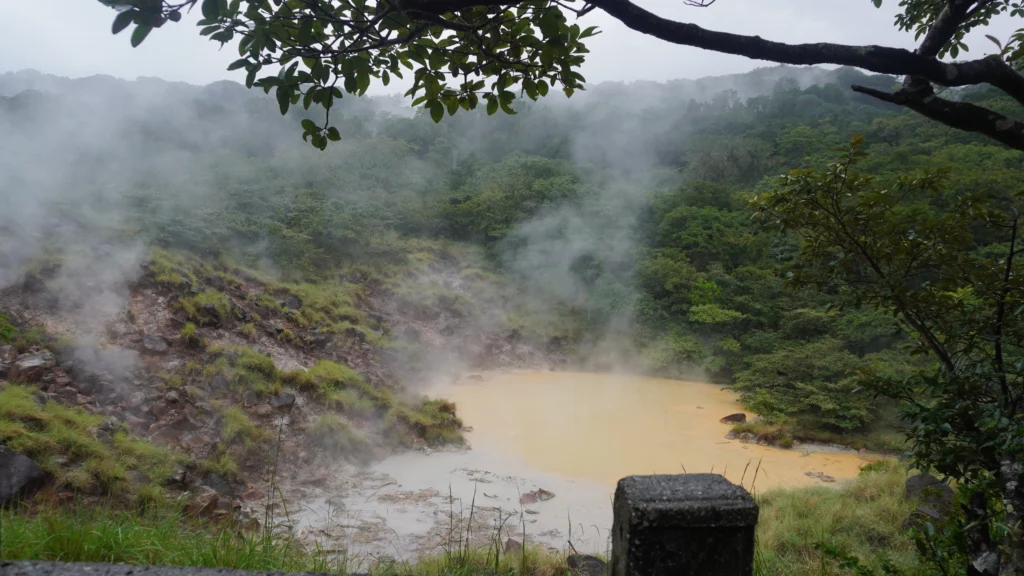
(215,379)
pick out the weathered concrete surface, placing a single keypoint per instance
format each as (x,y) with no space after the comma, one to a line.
(685,525)
(86,569)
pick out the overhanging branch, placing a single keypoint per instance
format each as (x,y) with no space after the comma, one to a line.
(961,115)
(878,59)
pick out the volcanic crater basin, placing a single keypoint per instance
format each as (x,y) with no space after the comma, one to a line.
(571,434)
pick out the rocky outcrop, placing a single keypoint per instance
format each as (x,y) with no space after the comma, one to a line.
(19,476)
(30,367)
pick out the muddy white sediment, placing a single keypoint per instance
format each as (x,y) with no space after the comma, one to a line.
(571,434)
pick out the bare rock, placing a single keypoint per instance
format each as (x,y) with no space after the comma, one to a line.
(282,401)
(933,493)
(738,418)
(172,397)
(253,494)
(30,367)
(219,382)
(154,344)
(262,410)
(218,483)
(251,397)
(19,475)
(292,302)
(923,515)
(585,565)
(8,353)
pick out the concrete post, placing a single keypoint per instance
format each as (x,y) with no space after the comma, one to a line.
(687,525)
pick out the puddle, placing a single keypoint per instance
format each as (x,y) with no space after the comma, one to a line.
(570,434)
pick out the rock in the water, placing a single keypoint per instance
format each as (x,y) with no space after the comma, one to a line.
(216,282)
(282,401)
(154,344)
(292,302)
(30,367)
(513,545)
(584,565)
(19,475)
(934,493)
(738,418)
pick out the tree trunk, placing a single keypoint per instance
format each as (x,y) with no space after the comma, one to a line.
(1010,472)
(983,557)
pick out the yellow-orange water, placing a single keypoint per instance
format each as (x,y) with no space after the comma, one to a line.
(606,426)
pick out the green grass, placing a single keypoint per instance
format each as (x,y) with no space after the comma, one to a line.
(190,336)
(193,307)
(863,517)
(244,368)
(336,437)
(160,537)
(237,427)
(62,441)
(172,268)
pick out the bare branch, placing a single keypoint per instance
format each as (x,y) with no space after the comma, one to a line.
(960,115)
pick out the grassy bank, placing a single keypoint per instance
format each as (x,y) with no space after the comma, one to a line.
(862,517)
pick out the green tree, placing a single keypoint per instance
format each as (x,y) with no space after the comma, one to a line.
(953,277)
(313,52)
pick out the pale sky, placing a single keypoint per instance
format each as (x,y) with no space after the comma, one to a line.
(72,38)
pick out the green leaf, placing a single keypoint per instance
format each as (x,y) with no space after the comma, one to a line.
(283,99)
(211,9)
(237,64)
(309,126)
(139,34)
(492,106)
(436,110)
(122,20)
(333,135)
(174,16)
(877,3)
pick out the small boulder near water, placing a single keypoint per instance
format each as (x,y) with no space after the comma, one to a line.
(19,475)
(738,418)
(585,565)
(538,495)
(934,493)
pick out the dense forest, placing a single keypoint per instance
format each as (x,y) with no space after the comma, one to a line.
(616,225)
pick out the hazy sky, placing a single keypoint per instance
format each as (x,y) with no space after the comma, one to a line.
(72,38)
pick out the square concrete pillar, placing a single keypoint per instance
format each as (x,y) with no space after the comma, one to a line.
(685,525)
